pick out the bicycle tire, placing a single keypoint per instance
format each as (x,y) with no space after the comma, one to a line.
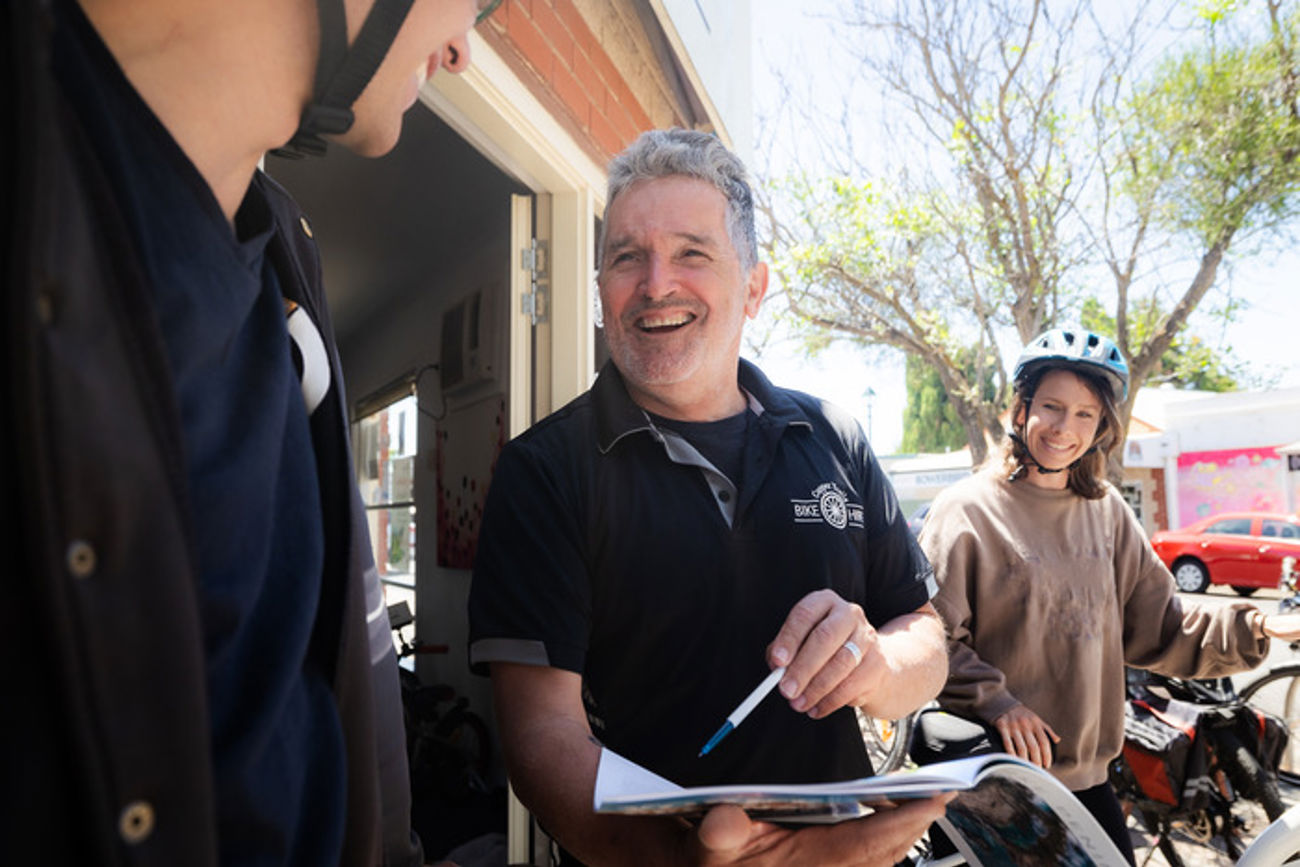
(886,741)
(1278,693)
(1249,777)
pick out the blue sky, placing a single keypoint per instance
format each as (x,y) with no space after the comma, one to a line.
(795,38)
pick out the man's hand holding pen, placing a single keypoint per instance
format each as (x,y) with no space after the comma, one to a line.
(834,658)
(831,654)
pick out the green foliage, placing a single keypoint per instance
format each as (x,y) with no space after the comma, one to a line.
(1188,363)
(1216,132)
(1215,11)
(930,422)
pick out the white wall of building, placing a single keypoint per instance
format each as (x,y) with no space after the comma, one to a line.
(718,37)
(1205,421)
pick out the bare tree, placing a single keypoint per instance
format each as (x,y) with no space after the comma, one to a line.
(1027,161)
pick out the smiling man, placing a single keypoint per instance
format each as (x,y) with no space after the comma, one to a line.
(191,677)
(653,549)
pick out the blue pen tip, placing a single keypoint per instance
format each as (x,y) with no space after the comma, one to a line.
(717,736)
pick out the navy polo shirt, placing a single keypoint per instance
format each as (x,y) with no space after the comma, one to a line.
(250,469)
(613,548)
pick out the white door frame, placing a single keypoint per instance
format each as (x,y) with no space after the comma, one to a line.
(495,113)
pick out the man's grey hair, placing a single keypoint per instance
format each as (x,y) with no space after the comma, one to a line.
(662,153)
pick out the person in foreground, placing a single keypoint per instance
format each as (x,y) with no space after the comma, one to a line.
(190,674)
(650,551)
(1048,586)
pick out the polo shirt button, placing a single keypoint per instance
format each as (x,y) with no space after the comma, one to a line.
(306,226)
(724,496)
(81,559)
(136,822)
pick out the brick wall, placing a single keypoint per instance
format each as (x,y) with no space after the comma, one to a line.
(554,50)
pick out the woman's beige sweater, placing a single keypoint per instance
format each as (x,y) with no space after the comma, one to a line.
(1046,596)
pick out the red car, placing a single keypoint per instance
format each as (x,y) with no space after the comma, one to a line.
(1241,549)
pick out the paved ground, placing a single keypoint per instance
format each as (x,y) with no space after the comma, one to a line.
(1196,855)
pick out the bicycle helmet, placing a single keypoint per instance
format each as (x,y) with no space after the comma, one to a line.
(1076,347)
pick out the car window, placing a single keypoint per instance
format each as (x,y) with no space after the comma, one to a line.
(1233,526)
(1281,529)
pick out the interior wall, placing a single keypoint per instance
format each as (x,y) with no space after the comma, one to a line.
(408,337)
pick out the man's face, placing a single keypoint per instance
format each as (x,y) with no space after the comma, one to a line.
(433,35)
(674,295)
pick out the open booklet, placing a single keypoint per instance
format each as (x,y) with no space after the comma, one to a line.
(1009,812)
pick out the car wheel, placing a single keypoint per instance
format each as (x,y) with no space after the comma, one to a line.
(1245,591)
(1190,576)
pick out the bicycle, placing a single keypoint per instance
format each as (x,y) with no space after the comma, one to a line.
(448,746)
(886,740)
(1193,751)
(1278,690)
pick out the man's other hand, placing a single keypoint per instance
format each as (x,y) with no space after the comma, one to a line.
(728,836)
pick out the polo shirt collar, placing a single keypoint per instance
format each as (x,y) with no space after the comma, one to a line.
(617,415)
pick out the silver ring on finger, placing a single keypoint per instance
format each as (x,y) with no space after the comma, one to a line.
(854,651)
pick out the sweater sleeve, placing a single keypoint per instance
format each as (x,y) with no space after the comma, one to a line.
(975,688)
(1163,633)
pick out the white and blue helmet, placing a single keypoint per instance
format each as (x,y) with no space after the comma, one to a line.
(1075,347)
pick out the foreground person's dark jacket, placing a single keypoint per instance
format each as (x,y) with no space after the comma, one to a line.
(104,754)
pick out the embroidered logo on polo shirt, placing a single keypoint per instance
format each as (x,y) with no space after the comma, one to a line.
(828,505)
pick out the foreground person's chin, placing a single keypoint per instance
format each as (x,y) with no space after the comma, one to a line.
(370,143)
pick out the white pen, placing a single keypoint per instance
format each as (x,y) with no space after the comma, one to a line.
(750,702)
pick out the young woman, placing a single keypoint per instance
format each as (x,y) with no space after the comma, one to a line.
(1048,586)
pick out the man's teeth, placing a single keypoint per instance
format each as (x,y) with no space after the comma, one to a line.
(670,321)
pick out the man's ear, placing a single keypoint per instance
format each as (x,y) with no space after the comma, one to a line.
(755,289)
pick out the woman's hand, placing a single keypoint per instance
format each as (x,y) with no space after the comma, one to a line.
(1024,734)
(1285,627)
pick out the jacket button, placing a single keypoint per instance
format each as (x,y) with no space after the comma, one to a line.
(136,822)
(45,307)
(306,226)
(81,559)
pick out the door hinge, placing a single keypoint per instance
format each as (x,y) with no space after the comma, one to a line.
(536,260)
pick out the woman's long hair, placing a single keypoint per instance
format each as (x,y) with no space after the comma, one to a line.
(1087,475)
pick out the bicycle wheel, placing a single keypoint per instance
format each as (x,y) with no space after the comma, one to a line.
(1248,778)
(886,741)
(1278,693)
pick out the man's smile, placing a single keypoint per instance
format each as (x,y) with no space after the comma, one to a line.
(665,321)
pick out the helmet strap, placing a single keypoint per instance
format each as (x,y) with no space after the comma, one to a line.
(342,74)
(1031,460)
